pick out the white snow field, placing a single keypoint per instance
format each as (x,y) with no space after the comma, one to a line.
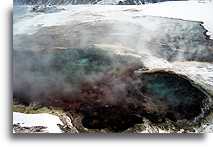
(188,10)
(47,120)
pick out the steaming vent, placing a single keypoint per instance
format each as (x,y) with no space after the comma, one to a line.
(104,87)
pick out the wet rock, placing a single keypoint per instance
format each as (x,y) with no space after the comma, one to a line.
(17,128)
(46,9)
(67,126)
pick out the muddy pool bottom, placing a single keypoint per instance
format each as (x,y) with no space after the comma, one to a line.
(106,89)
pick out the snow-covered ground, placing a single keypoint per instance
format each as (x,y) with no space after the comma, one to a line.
(29,120)
(187,10)
(29,22)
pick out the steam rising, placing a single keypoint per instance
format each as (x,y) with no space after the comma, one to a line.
(61,73)
(170,39)
(94,62)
